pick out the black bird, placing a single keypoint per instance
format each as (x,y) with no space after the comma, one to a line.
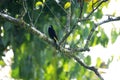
(52,33)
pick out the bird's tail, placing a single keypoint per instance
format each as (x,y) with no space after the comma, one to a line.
(56,42)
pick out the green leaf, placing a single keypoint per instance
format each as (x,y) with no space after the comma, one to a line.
(98,14)
(88,60)
(15,72)
(2,63)
(103,38)
(85,32)
(99,61)
(114,35)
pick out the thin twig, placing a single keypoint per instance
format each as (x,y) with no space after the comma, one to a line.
(61,7)
(38,17)
(68,22)
(93,4)
(26,8)
(81,8)
(24,11)
(32,12)
(53,14)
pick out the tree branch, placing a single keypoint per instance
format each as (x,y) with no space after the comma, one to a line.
(110,19)
(92,68)
(88,67)
(26,26)
(41,35)
(32,30)
(74,26)
(79,20)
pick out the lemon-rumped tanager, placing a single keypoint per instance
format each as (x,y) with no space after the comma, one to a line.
(52,33)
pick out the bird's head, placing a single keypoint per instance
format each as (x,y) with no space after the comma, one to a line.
(51,26)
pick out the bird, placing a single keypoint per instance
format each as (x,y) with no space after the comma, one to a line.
(52,33)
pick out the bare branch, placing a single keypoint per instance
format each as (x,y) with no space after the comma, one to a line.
(88,67)
(110,19)
(23,13)
(27,11)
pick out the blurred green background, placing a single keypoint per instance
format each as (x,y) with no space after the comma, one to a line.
(34,59)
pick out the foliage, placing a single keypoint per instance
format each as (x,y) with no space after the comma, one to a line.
(67,5)
(36,60)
